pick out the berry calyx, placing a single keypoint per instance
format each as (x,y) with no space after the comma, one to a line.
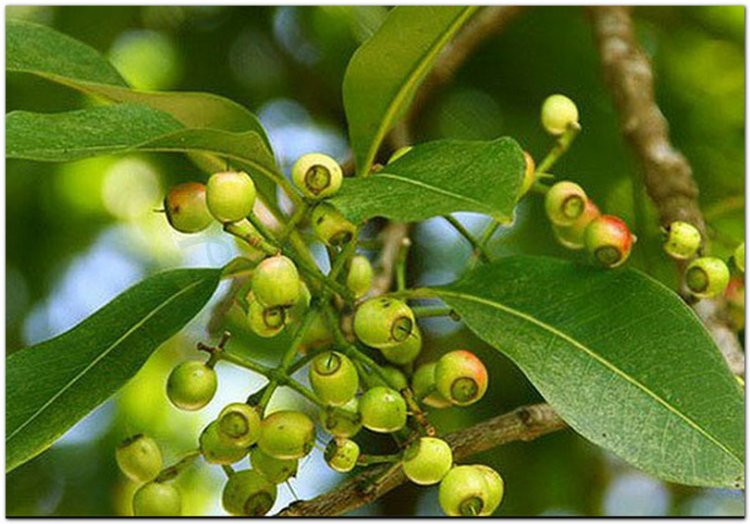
(558,114)
(276,282)
(461,377)
(157,499)
(247,493)
(405,352)
(529,174)
(330,226)
(423,386)
(343,422)
(341,455)
(609,240)
(239,424)
(383,322)
(427,461)
(218,449)
(564,203)
(398,153)
(273,469)
(191,385)
(186,209)
(359,278)
(383,410)
(139,458)
(287,435)
(334,378)
(317,175)
(707,277)
(496,489)
(230,196)
(739,257)
(464,492)
(683,240)
(573,236)
(265,321)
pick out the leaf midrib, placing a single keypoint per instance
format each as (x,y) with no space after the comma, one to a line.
(106,352)
(599,359)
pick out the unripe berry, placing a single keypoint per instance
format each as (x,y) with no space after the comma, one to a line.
(739,257)
(287,435)
(427,461)
(359,278)
(461,377)
(558,114)
(248,494)
(496,489)
(186,209)
(383,322)
(139,458)
(341,455)
(396,378)
(398,153)
(330,226)
(683,240)
(275,470)
(343,422)
(191,385)
(276,282)
(317,175)
(573,237)
(318,334)
(735,295)
(230,195)
(529,174)
(464,492)
(707,277)
(217,449)
(265,321)
(239,424)
(298,310)
(383,410)
(405,352)
(564,203)
(157,499)
(334,378)
(609,240)
(423,386)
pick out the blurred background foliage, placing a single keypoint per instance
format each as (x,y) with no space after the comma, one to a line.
(80,233)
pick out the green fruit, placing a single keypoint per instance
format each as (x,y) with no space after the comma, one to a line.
(383,410)
(157,499)
(464,492)
(574,236)
(139,458)
(330,226)
(558,114)
(334,378)
(405,352)
(396,378)
(317,175)
(300,307)
(217,449)
(239,424)
(247,493)
(276,282)
(230,196)
(191,385)
(186,209)
(287,435)
(359,278)
(683,240)
(318,335)
(495,487)
(401,151)
(341,455)
(427,461)
(383,322)
(564,203)
(529,174)
(343,422)
(461,377)
(609,241)
(707,277)
(739,257)
(265,321)
(423,386)
(275,470)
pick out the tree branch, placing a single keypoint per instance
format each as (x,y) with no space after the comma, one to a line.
(668,176)
(524,424)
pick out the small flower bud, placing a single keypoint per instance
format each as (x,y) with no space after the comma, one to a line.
(186,209)
(558,114)
(683,240)
(707,277)
(317,175)
(565,202)
(609,240)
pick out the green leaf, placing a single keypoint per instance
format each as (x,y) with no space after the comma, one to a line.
(438,178)
(384,73)
(121,128)
(51,386)
(622,359)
